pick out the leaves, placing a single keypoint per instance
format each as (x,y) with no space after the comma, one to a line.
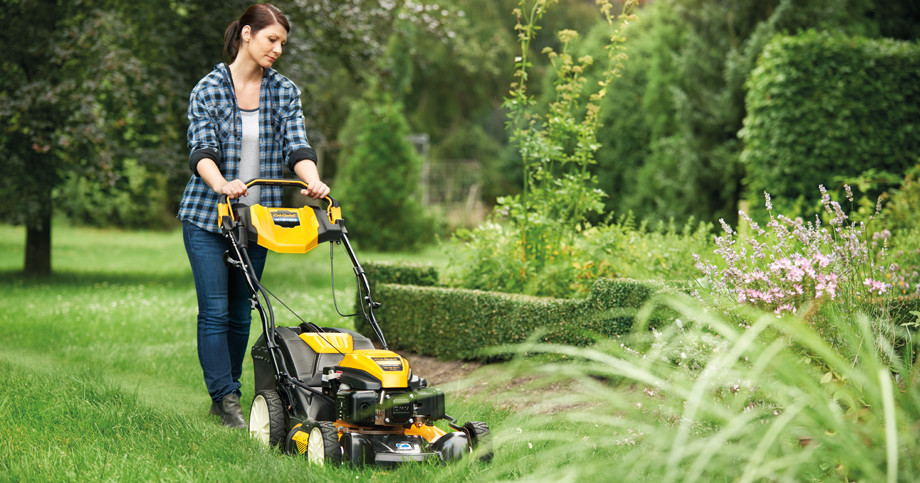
(820,105)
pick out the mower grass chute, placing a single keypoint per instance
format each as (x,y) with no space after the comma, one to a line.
(330,394)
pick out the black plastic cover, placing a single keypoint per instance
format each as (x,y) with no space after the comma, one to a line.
(356,407)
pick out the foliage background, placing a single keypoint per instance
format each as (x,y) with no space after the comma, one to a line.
(826,109)
(669,128)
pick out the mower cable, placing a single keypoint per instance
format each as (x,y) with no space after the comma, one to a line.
(320,334)
(255,283)
(332,277)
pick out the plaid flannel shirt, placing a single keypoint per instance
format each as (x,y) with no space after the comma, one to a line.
(215,132)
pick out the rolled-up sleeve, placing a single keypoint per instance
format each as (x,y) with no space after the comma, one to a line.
(202,132)
(295,148)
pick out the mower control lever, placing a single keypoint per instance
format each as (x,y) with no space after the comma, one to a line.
(230,261)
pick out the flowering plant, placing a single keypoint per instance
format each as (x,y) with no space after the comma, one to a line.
(787,263)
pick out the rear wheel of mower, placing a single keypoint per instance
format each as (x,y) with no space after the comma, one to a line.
(318,442)
(266,418)
(480,439)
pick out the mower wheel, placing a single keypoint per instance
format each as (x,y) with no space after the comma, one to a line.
(480,439)
(296,441)
(318,441)
(266,418)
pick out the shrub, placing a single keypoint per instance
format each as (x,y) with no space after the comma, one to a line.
(402,273)
(459,323)
(821,106)
(900,213)
(379,181)
(132,197)
(791,262)
(904,261)
(490,257)
(828,269)
(556,149)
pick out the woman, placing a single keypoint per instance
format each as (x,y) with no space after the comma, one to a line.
(245,121)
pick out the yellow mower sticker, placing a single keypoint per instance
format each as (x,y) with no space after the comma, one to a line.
(301,438)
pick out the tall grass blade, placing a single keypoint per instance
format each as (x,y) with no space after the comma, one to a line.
(891,428)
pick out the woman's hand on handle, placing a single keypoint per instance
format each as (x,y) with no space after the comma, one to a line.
(208,170)
(316,189)
(234,189)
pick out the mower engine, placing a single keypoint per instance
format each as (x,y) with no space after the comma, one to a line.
(377,388)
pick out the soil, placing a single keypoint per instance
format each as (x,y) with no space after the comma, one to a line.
(500,384)
(438,372)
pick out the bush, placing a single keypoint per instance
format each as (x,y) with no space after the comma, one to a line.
(459,323)
(491,257)
(903,259)
(383,272)
(900,205)
(379,182)
(825,269)
(822,107)
(133,197)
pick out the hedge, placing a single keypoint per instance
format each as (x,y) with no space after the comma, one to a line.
(459,323)
(822,107)
(401,273)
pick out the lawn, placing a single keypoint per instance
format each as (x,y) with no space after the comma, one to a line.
(101,377)
(101,382)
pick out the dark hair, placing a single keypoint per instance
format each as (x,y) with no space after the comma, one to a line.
(257,17)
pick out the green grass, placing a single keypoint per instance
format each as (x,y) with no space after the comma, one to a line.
(100,374)
(101,382)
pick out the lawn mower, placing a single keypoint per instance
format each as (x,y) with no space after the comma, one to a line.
(329,394)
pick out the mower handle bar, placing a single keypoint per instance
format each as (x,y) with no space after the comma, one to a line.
(223,200)
(278,182)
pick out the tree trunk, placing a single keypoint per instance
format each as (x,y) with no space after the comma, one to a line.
(38,243)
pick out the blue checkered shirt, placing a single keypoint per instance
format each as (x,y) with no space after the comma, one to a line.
(215,131)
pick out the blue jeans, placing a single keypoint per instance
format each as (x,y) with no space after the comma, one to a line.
(224,312)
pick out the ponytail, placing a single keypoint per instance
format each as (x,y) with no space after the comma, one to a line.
(232,39)
(256,17)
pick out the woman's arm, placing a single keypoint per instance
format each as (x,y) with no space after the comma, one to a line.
(203,141)
(211,175)
(306,170)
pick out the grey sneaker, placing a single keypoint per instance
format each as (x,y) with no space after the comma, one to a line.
(230,412)
(215,409)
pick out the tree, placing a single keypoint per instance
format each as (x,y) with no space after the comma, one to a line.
(69,90)
(676,149)
(380,176)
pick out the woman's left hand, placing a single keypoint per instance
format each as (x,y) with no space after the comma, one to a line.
(316,190)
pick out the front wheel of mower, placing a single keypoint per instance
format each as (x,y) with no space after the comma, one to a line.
(480,439)
(266,418)
(318,441)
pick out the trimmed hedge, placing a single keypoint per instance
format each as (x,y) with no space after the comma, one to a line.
(822,107)
(385,272)
(458,323)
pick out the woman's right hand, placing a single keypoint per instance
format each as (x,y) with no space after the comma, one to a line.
(234,189)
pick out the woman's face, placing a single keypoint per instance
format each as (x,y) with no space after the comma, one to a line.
(265,45)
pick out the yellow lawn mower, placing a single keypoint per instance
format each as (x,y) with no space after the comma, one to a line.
(327,393)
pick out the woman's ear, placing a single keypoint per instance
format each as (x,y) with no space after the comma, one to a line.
(246,33)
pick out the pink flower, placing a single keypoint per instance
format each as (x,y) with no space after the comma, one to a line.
(796,274)
(876,286)
(826,283)
(785,307)
(781,264)
(822,260)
